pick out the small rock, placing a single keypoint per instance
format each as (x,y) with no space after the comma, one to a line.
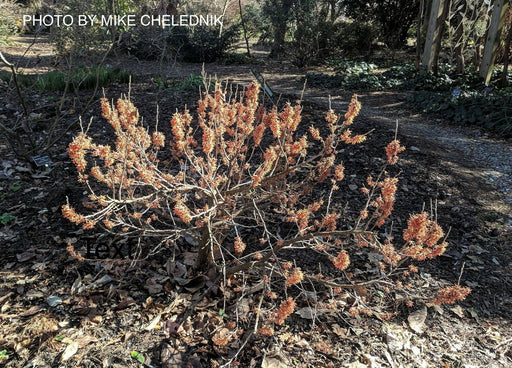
(53,301)
(414,149)
(417,320)
(352,187)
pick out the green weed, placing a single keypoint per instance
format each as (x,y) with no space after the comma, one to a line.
(5,218)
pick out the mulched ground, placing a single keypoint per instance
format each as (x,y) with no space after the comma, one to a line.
(56,311)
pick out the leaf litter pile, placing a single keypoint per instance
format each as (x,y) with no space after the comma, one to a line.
(156,312)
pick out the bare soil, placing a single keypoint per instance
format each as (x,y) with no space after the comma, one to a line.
(58,312)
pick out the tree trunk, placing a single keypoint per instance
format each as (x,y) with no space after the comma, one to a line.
(280,25)
(111,9)
(459,39)
(205,252)
(279,38)
(432,31)
(419,38)
(439,38)
(244,28)
(333,13)
(492,40)
(224,9)
(506,58)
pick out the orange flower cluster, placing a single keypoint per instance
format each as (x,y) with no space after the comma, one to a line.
(315,133)
(392,151)
(181,130)
(70,213)
(223,337)
(71,250)
(329,221)
(302,218)
(158,139)
(451,294)
(422,236)
(295,277)
(270,157)
(257,135)
(324,167)
(388,250)
(77,149)
(286,308)
(208,140)
(349,139)
(239,245)
(353,110)
(339,172)
(341,261)
(331,117)
(183,212)
(384,203)
(266,331)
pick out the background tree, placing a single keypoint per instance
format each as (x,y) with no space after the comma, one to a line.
(507,49)
(311,26)
(499,12)
(279,13)
(393,17)
(466,25)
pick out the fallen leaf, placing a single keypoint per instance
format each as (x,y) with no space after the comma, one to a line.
(25,256)
(153,323)
(125,303)
(417,319)
(39,266)
(341,332)
(71,350)
(243,307)
(152,286)
(438,309)
(275,361)
(306,313)
(195,284)
(473,313)
(357,364)
(458,311)
(76,284)
(171,357)
(100,282)
(34,294)
(33,310)
(189,258)
(53,301)
(178,270)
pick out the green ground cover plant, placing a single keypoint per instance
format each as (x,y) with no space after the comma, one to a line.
(460,98)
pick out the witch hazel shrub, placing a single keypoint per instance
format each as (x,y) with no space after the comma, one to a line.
(246,184)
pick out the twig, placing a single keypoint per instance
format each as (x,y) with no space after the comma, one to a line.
(50,143)
(246,340)
(15,78)
(6,296)
(335,285)
(283,244)
(256,323)
(461,271)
